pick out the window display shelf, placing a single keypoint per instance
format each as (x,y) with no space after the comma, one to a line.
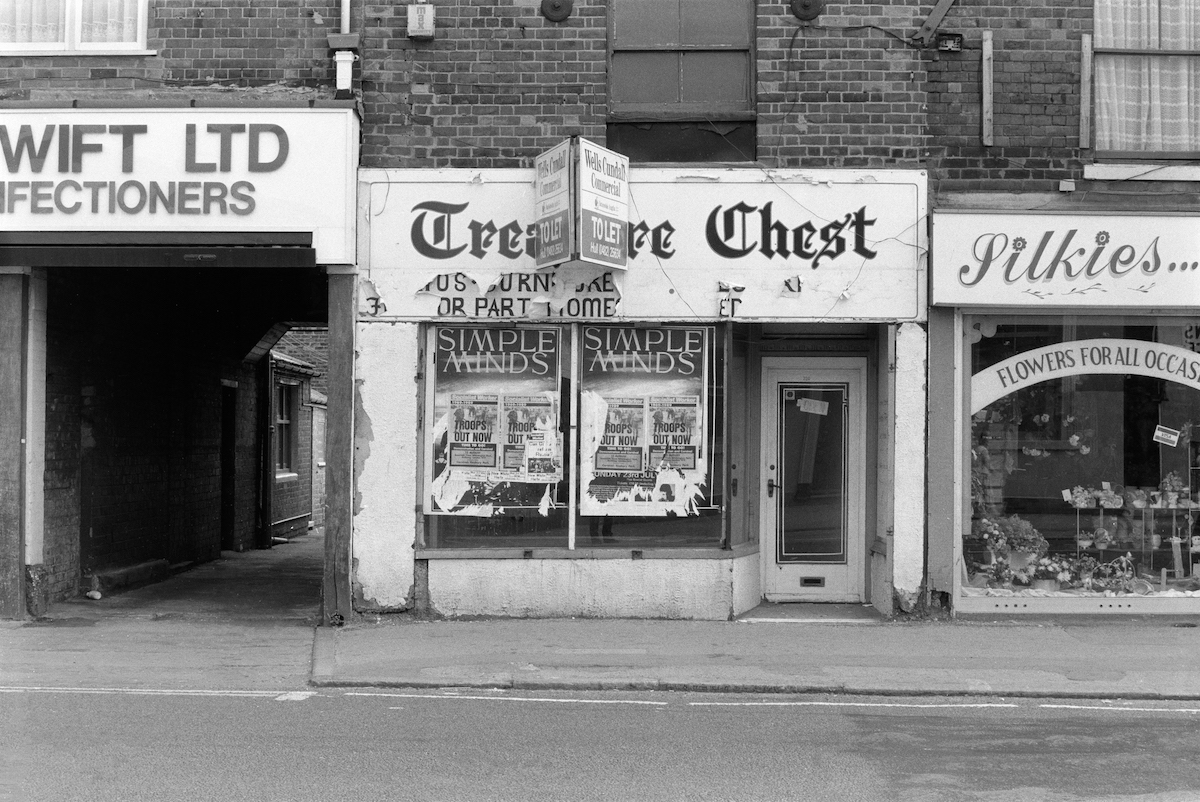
(1159,538)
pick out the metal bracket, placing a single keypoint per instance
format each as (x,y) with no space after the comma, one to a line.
(929,29)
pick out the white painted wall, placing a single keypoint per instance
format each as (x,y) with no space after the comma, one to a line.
(908,545)
(387,371)
(608,588)
(747,583)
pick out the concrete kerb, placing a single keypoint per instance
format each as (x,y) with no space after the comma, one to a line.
(325,674)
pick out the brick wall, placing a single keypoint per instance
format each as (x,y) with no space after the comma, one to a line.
(309,344)
(497,85)
(199,42)
(1036,86)
(65,334)
(246,458)
(845,93)
(133,409)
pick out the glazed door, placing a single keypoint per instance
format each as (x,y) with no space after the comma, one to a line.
(813,469)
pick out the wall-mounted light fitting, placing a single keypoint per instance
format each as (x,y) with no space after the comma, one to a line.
(807,10)
(556,10)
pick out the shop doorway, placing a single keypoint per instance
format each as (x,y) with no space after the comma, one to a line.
(813,500)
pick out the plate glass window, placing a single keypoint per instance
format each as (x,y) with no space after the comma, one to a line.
(1085,457)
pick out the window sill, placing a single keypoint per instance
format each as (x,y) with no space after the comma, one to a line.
(283,477)
(687,553)
(1146,171)
(76,53)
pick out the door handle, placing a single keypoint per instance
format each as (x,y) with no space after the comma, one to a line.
(771,488)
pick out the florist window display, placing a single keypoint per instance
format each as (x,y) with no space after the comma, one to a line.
(1082,456)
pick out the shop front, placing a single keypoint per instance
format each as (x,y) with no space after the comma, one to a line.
(713,422)
(1077,410)
(149,259)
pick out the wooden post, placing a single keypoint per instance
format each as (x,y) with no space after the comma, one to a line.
(1085,92)
(13,317)
(336,598)
(987,77)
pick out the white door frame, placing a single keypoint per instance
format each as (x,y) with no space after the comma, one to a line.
(814,581)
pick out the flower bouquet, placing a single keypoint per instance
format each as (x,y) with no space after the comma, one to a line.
(1172,487)
(1172,483)
(1002,536)
(1049,573)
(1052,567)
(1109,499)
(1082,499)
(1136,498)
(1114,575)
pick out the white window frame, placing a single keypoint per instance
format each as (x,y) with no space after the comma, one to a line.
(74,31)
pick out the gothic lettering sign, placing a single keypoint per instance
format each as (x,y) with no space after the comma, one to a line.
(700,245)
(1064,260)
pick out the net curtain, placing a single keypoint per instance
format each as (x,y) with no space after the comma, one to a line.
(32,22)
(1147,102)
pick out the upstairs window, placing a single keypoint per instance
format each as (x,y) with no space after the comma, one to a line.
(681,78)
(1147,78)
(65,26)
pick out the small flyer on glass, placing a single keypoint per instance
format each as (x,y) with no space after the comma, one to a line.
(495,441)
(642,421)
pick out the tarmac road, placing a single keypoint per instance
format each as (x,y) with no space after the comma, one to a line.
(387,744)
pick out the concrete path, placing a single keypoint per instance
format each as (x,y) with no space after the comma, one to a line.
(248,621)
(244,621)
(782,651)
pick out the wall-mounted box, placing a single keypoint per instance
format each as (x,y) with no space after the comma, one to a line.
(950,42)
(420,21)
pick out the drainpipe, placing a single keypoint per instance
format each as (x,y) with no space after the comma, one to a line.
(344,45)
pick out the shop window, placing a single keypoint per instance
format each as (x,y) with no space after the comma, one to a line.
(574,436)
(681,78)
(1147,78)
(285,428)
(1085,457)
(54,26)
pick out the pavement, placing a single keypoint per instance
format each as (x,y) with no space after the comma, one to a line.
(249,621)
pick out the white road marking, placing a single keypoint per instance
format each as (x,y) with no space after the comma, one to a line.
(850,704)
(511,699)
(295,696)
(138,691)
(1125,709)
(807,621)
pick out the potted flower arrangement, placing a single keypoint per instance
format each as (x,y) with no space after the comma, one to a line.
(1004,535)
(1114,575)
(1109,499)
(1081,498)
(1050,572)
(1082,570)
(1172,487)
